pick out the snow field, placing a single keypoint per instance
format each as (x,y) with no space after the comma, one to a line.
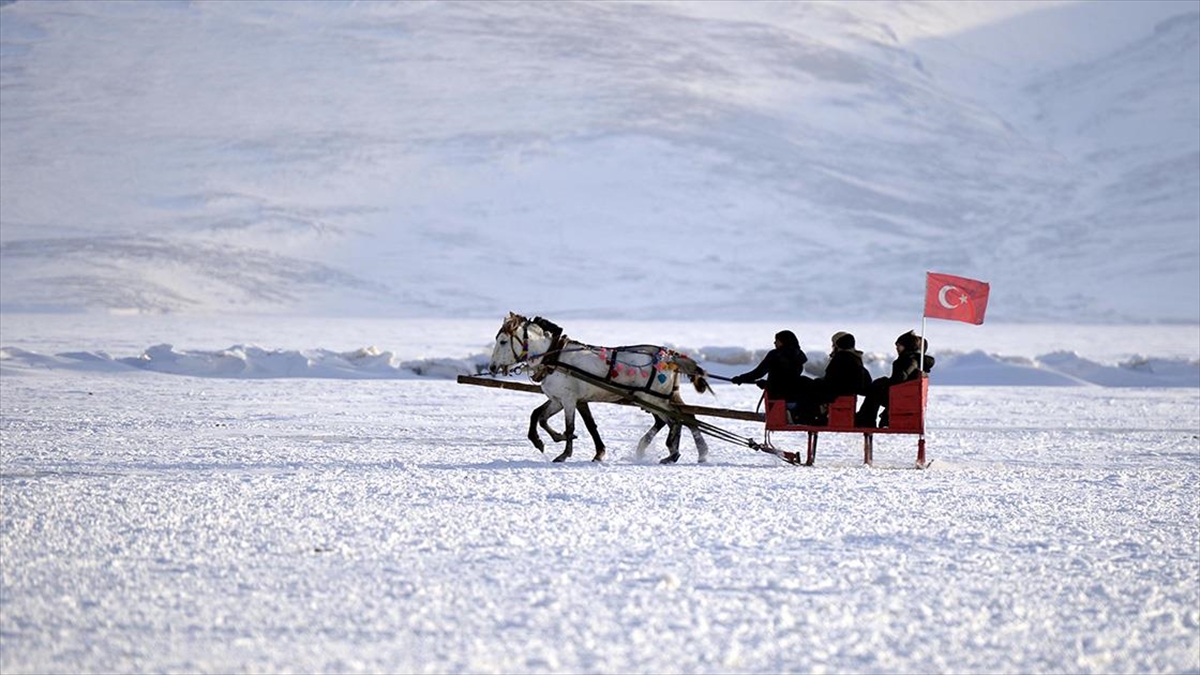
(157,522)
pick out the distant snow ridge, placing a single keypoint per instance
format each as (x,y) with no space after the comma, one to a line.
(251,362)
(974,368)
(682,147)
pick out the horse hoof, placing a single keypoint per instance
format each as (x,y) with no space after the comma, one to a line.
(599,457)
(669,459)
(562,458)
(703,459)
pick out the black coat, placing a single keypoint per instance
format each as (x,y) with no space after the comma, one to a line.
(904,368)
(845,375)
(784,373)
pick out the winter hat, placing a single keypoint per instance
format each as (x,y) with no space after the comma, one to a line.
(910,341)
(843,340)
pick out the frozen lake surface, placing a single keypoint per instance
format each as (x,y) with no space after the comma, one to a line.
(158,522)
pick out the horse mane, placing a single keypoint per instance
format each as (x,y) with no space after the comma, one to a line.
(547,325)
(688,366)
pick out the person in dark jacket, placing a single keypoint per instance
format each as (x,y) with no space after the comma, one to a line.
(904,368)
(783,367)
(844,376)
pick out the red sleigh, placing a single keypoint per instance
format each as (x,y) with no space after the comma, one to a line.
(906,415)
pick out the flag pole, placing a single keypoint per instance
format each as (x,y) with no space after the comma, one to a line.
(921,363)
(924,318)
(921,463)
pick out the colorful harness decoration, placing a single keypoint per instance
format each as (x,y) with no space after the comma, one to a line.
(632,368)
(660,363)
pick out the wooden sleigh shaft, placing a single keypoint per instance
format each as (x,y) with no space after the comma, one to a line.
(906,412)
(685,409)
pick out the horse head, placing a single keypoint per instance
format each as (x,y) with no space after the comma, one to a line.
(518,340)
(508,348)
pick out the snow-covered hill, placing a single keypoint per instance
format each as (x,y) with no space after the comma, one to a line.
(619,160)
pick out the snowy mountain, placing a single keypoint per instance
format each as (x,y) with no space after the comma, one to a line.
(605,160)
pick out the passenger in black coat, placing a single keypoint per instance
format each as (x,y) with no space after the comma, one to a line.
(904,368)
(783,367)
(844,376)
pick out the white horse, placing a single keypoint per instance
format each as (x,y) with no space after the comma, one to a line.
(572,374)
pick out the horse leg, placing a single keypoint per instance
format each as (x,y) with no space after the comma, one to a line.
(539,416)
(673,432)
(568,431)
(555,435)
(590,423)
(701,444)
(545,424)
(648,437)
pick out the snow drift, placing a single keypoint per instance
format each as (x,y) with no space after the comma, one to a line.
(253,362)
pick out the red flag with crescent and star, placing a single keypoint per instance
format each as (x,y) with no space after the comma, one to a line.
(955,298)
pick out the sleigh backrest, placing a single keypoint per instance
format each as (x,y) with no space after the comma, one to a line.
(906,405)
(841,411)
(906,410)
(776,416)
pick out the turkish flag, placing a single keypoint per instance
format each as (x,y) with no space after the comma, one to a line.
(955,298)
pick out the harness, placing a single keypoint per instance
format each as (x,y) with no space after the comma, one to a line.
(661,359)
(550,357)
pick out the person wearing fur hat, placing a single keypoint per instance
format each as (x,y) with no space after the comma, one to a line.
(907,366)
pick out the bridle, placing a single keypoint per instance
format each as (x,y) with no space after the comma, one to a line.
(511,332)
(523,358)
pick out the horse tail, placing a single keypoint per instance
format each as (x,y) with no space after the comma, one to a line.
(695,373)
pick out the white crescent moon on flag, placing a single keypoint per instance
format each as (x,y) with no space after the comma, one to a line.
(946,303)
